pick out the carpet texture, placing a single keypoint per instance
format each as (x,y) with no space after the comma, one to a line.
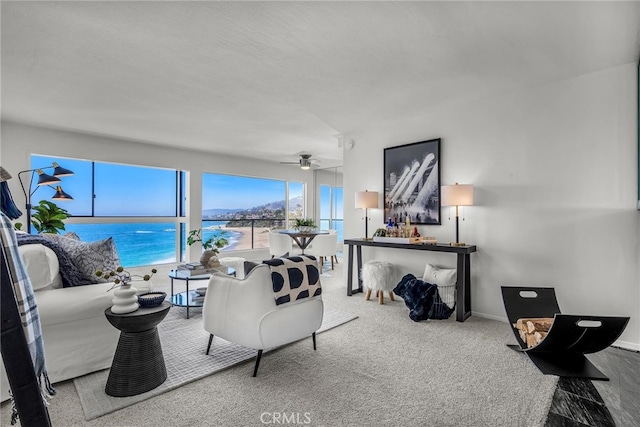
(381,370)
(184,343)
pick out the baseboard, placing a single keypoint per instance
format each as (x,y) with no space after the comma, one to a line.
(626,345)
(490,316)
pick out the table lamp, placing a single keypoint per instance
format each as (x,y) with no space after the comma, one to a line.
(366,200)
(457,195)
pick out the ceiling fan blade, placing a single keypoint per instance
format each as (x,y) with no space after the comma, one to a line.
(290,163)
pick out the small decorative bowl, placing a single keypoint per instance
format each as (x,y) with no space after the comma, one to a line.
(151,299)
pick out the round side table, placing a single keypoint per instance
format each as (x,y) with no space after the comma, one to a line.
(190,298)
(138,364)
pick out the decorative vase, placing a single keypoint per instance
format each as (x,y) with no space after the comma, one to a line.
(124,300)
(206,255)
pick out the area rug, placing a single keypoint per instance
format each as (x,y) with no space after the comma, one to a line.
(183,344)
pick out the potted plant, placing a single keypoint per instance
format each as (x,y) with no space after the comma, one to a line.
(211,246)
(305,224)
(47,217)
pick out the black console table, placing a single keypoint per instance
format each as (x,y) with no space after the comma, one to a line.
(463,304)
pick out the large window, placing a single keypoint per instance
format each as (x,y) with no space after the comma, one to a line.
(109,189)
(136,205)
(144,208)
(244,209)
(331,216)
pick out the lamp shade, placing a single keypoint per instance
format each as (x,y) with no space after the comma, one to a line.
(366,199)
(4,175)
(44,179)
(61,195)
(457,195)
(60,171)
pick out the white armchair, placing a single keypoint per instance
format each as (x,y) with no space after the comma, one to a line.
(245,312)
(279,244)
(324,246)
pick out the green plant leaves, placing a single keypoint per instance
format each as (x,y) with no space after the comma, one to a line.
(47,217)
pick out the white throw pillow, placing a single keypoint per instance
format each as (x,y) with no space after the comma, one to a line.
(42,266)
(445,279)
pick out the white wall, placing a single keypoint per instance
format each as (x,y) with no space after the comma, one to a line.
(19,141)
(555,176)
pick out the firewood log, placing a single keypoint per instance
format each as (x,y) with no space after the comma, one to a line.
(539,336)
(531,341)
(523,335)
(533,324)
(539,325)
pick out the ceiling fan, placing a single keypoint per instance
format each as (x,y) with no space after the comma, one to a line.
(306,162)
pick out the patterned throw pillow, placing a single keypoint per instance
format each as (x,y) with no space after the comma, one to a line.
(90,257)
(56,237)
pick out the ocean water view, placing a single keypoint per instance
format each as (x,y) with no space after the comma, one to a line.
(141,244)
(147,243)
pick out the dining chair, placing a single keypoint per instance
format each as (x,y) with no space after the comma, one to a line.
(279,244)
(324,246)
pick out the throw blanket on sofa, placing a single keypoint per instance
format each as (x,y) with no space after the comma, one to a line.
(294,278)
(27,308)
(422,299)
(71,275)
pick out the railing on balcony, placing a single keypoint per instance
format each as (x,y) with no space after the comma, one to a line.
(243,234)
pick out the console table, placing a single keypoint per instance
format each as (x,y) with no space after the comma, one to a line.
(463,297)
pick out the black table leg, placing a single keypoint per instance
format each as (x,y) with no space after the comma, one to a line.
(359,258)
(463,309)
(350,272)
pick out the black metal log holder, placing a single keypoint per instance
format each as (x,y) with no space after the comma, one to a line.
(562,351)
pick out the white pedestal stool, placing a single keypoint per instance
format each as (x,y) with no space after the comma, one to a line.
(379,276)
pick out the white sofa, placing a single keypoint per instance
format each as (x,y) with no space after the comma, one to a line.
(78,339)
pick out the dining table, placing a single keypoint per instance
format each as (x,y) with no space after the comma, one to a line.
(303,238)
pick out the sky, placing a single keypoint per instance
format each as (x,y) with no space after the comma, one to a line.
(125,190)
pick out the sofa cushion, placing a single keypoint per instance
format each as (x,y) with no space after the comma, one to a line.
(42,266)
(57,306)
(91,257)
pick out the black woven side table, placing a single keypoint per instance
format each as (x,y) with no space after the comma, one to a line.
(138,365)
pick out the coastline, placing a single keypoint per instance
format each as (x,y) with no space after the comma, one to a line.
(260,235)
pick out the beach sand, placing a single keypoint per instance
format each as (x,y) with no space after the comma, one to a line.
(260,237)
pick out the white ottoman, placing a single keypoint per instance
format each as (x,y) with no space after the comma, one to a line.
(379,276)
(234,262)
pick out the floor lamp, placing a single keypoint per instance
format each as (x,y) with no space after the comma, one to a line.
(366,200)
(44,179)
(457,195)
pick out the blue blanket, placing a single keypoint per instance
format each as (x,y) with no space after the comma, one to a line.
(422,299)
(71,275)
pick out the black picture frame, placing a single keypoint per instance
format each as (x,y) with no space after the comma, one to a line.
(412,182)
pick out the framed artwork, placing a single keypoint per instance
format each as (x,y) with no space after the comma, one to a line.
(412,182)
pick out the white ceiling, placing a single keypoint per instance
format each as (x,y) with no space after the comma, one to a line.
(273,79)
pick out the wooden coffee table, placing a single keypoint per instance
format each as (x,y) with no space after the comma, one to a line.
(138,364)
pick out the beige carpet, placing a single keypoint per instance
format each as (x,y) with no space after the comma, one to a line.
(381,370)
(184,342)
